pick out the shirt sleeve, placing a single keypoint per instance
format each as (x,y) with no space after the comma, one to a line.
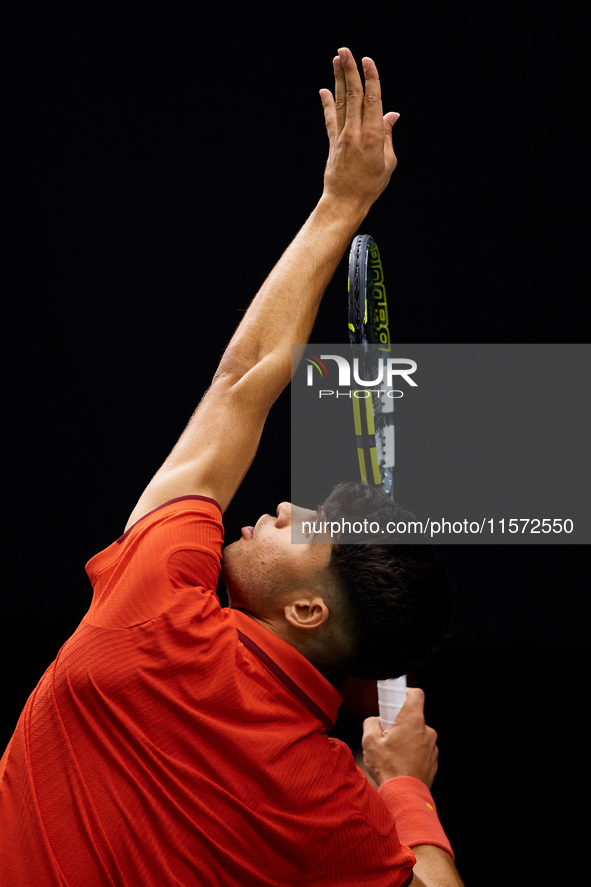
(174,549)
(362,853)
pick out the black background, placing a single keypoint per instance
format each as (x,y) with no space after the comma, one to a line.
(161,159)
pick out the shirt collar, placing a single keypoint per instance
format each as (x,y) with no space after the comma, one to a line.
(291,667)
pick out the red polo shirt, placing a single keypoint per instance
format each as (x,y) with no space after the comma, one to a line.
(176,742)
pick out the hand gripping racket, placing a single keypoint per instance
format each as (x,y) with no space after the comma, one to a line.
(373,411)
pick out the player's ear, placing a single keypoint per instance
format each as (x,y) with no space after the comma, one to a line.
(306,611)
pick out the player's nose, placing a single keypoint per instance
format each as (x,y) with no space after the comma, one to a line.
(283,515)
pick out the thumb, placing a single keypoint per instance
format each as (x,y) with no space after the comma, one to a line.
(414,704)
(389,120)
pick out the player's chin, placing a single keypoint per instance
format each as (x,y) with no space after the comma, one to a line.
(237,543)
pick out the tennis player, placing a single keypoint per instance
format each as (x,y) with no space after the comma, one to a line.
(175,742)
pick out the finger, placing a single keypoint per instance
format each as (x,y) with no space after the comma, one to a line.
(340,92)
(330,117)
(390,157)
(414,704)
(353,90)
(373,120)
(372,727)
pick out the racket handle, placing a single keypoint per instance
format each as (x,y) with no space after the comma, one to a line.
(391,697)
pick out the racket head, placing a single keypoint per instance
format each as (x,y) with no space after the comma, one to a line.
(368,321)
(368,324)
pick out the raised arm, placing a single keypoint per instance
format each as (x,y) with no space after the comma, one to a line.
(218,445)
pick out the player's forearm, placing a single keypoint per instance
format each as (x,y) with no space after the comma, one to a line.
(434,868)
(285,308)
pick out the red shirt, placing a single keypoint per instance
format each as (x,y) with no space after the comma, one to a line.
(175,742)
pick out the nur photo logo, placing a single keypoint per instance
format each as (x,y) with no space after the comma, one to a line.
(349,375)
(370,380)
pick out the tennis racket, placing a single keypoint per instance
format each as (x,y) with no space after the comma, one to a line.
(373,411)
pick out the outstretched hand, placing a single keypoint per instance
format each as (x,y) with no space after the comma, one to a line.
(409,748)
(361,158)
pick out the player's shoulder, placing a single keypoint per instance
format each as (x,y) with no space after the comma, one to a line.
(186,522)
(158,507)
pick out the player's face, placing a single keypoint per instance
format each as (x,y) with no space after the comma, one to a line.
(267,561)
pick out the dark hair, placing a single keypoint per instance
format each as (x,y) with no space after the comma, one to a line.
(398,599)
